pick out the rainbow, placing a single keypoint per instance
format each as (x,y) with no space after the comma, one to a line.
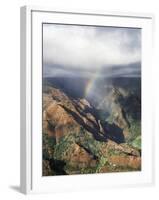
(91,83)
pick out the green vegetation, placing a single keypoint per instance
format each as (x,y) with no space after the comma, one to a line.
(48,146)
(87,140)
(112,152)
(102,162)
(137,142)
(88,170)
(135,129)
(63,147)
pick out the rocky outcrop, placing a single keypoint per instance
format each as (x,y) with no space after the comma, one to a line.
(124,109)
(76,141)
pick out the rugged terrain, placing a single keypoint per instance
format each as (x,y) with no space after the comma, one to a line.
(95,134)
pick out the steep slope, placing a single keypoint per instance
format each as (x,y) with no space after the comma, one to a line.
(124,110)
(77,140)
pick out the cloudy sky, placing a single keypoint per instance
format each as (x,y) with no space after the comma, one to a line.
(71,50)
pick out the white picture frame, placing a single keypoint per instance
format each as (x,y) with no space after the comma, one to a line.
(31,92)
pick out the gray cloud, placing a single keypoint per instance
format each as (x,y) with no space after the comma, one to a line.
(83,50)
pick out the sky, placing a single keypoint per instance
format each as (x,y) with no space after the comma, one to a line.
(74,50)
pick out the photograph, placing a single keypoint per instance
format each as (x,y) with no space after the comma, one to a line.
(91,99)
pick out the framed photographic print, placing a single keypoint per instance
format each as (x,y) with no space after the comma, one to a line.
(86,100)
